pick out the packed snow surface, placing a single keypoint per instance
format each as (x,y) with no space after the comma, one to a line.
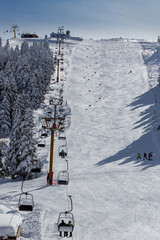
(115,195)
(9,224)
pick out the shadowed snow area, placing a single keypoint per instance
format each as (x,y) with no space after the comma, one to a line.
(115,196)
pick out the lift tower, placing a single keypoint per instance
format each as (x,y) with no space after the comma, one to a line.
(15,28)
(53,125)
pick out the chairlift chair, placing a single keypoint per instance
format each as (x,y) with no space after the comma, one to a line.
(62,136)
(44,134)
(63,151)
(63,178)
(42,143)
(61,129)
(26,202)
(36,167)
(36,170)
(65,229)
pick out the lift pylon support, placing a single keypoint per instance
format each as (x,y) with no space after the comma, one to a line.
(15,27)
(55,126)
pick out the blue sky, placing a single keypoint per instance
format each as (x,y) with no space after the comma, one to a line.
(92,18)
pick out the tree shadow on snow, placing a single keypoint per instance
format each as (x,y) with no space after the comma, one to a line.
(146,143)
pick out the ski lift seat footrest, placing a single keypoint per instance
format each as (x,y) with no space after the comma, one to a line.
(62,182)
(65,228)
(25,208)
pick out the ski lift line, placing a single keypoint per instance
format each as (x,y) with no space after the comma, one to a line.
(24,181)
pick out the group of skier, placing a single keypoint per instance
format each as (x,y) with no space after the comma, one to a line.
(63,224)
(145,156)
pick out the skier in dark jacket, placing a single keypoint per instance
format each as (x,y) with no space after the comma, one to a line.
(145,156)
(150,156)
(62,224)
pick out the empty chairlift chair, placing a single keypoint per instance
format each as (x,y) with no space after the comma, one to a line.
(62,136)
(41,143)
(63,178)
(26,202)
(44,134)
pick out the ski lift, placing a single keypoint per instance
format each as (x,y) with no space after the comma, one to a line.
(51,89)
(61,128)
(44,134)
(51,101)
(63,151)
(62,136)
(42,143)
(63,176)
(36,167)
(66,222)
(36,170)
(26,202)
(49,111)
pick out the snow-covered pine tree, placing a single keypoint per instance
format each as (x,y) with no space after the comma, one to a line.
(22,151)
(5,117)
(27,148)
(24,48)
(22,74)
(35,92)
(5,110)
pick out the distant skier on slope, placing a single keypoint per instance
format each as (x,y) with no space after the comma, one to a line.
(150,156)
(139,156)
(145,156)
(130,71)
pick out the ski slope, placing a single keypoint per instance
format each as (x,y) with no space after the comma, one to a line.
(115,196)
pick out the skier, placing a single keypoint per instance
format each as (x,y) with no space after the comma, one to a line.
(144,156)
(130,72)
(139,156)
(70,224)
(150,156)
(62,224)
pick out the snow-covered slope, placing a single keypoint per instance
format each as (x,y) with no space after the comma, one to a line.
(115,196)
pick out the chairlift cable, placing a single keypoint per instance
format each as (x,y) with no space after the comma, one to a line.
(24,181)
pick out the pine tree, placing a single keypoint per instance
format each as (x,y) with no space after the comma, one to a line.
(5,110)
(22,151)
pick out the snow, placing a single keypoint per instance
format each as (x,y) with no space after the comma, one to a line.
(9,224)
(114,116)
